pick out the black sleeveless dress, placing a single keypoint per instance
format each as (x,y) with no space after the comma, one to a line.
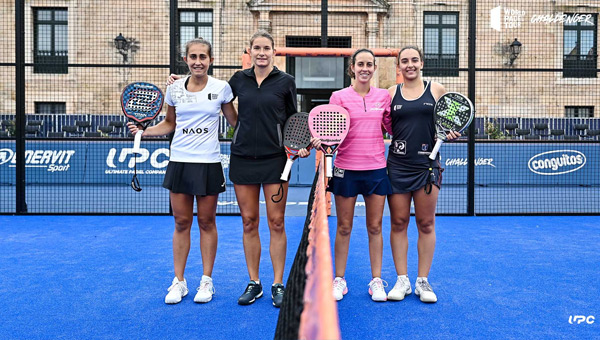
(413,127)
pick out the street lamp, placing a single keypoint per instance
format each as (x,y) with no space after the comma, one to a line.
(515,50)
(122,46)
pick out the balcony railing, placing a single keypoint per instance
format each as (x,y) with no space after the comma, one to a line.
(441,65)
(50,61)
(580,66)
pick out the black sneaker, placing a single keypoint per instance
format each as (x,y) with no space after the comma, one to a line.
(277,291)
(253,292)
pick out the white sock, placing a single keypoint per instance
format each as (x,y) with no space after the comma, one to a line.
(403,276)
(422,278)
(206,278)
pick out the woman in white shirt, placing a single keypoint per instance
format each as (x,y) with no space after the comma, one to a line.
(194,104)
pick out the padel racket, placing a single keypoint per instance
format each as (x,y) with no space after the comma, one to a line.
(141,103)
(296,136)
(329,123)
(453,112)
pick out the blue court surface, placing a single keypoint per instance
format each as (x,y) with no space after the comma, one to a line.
(105,277)
(110,199)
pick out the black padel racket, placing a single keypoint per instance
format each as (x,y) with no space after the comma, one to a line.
(329,123)
(141,103)
(296,136)
(453,112)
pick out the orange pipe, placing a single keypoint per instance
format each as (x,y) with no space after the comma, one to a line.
(330,52)
(326,52)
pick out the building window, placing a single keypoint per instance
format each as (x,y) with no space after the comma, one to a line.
(319,72)
(193,24)
(50,108)
(579,111)
(580,50)
(51,47)
(440,44)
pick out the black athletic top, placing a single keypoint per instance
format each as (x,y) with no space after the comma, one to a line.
(262,112)
(413,130)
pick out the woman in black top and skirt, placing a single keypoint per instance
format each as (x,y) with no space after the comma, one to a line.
(413,175)
(266,98)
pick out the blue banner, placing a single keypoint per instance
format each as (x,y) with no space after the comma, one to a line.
(105,162)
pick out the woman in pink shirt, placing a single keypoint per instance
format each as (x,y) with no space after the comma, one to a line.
(360,168)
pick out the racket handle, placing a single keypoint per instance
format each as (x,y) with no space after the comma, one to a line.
(286,171)
(436,149)
(328,165)
(137,140)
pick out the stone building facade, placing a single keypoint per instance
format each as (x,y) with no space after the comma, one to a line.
(97,71)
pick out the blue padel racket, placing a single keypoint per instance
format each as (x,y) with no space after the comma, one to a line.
(296,136)
(141,103)
(453,112)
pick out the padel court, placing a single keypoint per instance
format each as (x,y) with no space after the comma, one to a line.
(84,256)
(104,277)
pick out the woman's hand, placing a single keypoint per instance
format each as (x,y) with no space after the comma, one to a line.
(133,128)
(172,78)
(452,136)
(316,143)
(303,153)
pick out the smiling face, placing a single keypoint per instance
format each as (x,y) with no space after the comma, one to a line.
(410,64)
(364,67)
(262,52)
(198,59)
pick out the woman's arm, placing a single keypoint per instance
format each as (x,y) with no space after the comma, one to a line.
(437,90)
(387,114)
(165,127)
(291,98)
(230,113)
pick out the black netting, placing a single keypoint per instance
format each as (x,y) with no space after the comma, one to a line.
(529,67)
(292,306)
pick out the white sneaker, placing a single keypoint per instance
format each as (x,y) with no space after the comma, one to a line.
(424,290)
(177,291)
(401,289)
(206,290)
(339,288)
(376,289)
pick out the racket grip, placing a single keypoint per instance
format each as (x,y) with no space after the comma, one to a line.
(286,171)
(328,166)
(436,149)
(137,140)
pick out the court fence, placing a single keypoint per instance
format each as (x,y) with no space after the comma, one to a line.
(529,67)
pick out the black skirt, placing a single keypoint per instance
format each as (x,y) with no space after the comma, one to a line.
(244,170)
(198,179)
(405,179)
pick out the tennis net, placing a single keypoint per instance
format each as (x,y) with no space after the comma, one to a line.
(308,310)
